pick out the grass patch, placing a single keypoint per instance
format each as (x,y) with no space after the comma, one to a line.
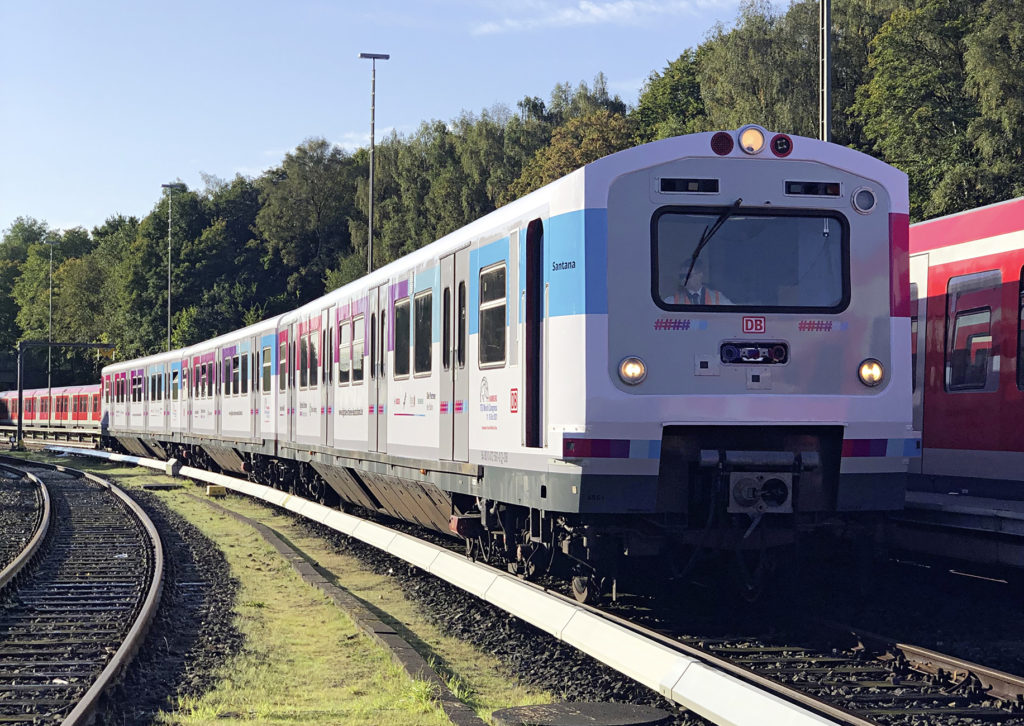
(304,661)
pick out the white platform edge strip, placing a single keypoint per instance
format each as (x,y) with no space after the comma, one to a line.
(711,693)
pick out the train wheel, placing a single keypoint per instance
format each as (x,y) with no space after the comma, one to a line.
(585,589)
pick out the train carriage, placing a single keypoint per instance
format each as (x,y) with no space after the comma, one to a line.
(967,292)
(700,343)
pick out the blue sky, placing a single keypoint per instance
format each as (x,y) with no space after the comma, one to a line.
(101,101)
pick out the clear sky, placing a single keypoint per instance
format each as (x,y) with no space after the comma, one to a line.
(101,101)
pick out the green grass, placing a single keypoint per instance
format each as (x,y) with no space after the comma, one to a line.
(304,662)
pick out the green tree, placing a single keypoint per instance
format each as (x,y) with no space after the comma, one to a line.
(305,207)
(916,109)
(579,142)
(670,102)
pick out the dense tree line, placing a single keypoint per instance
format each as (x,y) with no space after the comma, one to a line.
(931,86)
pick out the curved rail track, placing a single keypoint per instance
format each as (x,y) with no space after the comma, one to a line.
(77,609)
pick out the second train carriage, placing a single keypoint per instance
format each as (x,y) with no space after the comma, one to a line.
(56,407)
(968,300)
(537,384)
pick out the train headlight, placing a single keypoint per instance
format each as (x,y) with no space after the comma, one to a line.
(632,370)
(871,372)
(752,139)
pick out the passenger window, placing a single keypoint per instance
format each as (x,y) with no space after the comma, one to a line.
(175,377)
(460,340)
(303,362)
(245,373)
(492,316)
(446,329)
(267,368)
(373,346)
(236,376)
(358,332)
(313,357)
(970,351)
(402,338)
(344,352)
(915,310)
(282,366)
(424,303)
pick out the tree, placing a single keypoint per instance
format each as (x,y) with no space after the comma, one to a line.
(670,103)
(305,207)
(581,141)
(916,109)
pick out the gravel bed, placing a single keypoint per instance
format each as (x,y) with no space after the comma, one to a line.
(19,513)
(530,655)
(193,632)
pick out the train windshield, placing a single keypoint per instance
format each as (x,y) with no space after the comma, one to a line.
(763,259)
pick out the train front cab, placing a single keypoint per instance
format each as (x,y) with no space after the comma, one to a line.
(753,410)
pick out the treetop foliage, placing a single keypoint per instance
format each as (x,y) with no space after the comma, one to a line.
(931,86)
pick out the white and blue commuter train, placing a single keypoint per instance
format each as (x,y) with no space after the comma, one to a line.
(699,344)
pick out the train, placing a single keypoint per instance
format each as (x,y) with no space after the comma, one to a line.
(78,407)
(967,298)
(695,349)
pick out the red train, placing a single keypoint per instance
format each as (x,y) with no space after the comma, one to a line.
(967,298)
(66,406)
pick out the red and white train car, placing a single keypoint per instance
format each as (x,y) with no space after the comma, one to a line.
(63,406)
(967,298)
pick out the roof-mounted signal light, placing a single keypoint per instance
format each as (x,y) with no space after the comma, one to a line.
(752,139)
(721,143)
(781,145)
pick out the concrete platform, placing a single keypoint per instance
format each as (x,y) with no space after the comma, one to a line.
(961,527)
(581,714)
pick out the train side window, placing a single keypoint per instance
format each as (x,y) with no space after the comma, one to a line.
(175,378)
(971,353)
(402,334)
(460,333)
(236,376)
(245,373)
(373,345)
(423,345)
(492,316)
(303,362)
(344,353)
(915,310)
(311,361)
(266,368)
(282,366)
(358,333)
(446,329)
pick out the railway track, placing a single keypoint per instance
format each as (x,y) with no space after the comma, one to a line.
(72,616)
(833,674)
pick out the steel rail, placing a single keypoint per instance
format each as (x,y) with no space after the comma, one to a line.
(83,711)
(18,564)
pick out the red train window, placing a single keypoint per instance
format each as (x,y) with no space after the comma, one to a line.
(970,349)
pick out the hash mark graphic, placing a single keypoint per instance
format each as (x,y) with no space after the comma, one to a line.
(815,326)
(671,324)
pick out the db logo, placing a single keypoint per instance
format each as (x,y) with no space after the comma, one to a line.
(753,324)
(514,400)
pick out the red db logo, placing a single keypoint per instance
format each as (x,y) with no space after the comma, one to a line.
(753,324)
(514,400)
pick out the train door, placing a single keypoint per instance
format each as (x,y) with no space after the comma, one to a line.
(918,323)
(328,355)
(454,414)
(378,393)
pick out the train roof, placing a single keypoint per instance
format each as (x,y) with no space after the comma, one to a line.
(974,224)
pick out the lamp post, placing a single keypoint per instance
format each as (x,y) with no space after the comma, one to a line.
(172,187)
(825,70)
(49,336)
(373,58)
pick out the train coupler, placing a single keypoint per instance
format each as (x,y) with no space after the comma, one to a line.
(759,482)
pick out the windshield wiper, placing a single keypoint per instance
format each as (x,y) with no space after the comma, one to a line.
(709,232)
